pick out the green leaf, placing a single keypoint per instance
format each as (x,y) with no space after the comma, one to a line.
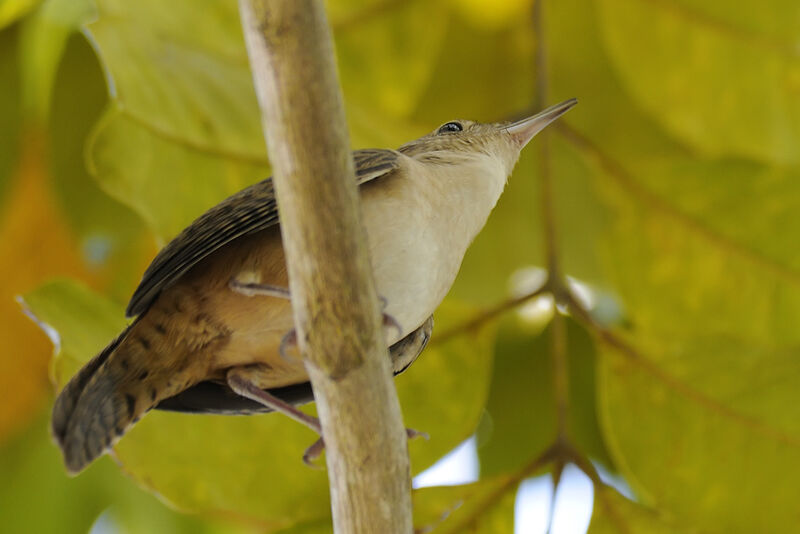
(385,57)
(82,321)
(183,130)
(38,496)
(486,74)
(482,73)
(520,413)
(34,481)
(43,37)
(675,191)
(486,506)
(521,410)
(720,79)
(184,99)
(111,235)
(224,465)
(701,421)
(445,391)
(168,184)
(11,10)
(321,526)
(614,514)
(723,447)
(10,97)
(182,73)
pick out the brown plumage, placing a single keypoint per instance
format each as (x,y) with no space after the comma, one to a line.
(195,327)
(175,350)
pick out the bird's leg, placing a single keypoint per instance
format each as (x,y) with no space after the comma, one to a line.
(244,381)
(252,289)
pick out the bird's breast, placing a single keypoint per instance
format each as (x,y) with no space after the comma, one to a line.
(416,244)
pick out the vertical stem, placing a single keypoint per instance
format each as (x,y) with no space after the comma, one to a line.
(558,350)
(545,174)
(333,295)
(556,280)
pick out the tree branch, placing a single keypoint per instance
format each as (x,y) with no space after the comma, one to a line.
(333,294)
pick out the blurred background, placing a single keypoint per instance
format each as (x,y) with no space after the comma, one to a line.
(660,390)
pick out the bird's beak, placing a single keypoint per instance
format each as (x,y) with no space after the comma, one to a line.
(524,130)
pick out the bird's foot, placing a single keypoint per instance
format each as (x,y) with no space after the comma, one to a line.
(411,434)
(315,450)
(289,342)
(252,289)
(389,322)
(244,381)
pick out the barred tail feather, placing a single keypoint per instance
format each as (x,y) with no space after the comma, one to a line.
(68,397)
(97,407)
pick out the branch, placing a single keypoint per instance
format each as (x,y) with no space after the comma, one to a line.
(335,306)
(489,314)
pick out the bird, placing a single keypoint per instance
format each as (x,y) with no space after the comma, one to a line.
(212,323)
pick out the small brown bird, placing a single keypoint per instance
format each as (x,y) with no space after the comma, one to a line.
(212,313)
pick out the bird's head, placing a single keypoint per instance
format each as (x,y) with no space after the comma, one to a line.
(501,141)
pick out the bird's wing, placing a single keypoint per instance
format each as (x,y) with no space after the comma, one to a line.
(248,211)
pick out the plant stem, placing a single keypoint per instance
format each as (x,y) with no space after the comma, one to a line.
(336,309)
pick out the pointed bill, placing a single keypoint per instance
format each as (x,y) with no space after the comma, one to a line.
(524,130)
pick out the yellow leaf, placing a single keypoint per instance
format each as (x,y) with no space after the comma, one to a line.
(11,10)
(492,14)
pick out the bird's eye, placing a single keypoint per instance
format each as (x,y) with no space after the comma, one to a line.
(450,127)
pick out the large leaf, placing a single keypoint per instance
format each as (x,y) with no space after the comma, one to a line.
(38,496)
(486,507)
(702,446)
(11,10)
(486,73)
(192,87)
(80,323)
(112,238)
(674,190)
(10,101)
(167,183)
(385,57)
(614,514)
(700,416)
(184,99)
(43,37)
(725,82)
(184,114)
(521,409)
(241,455)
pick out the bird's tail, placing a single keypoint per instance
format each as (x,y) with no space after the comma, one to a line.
(107,396)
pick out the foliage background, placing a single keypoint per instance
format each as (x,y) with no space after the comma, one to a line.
(671,192)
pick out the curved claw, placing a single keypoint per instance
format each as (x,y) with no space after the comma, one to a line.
(411,433)
(388,320)
(288,340)
(315,450)
(313,453)
(391,322)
